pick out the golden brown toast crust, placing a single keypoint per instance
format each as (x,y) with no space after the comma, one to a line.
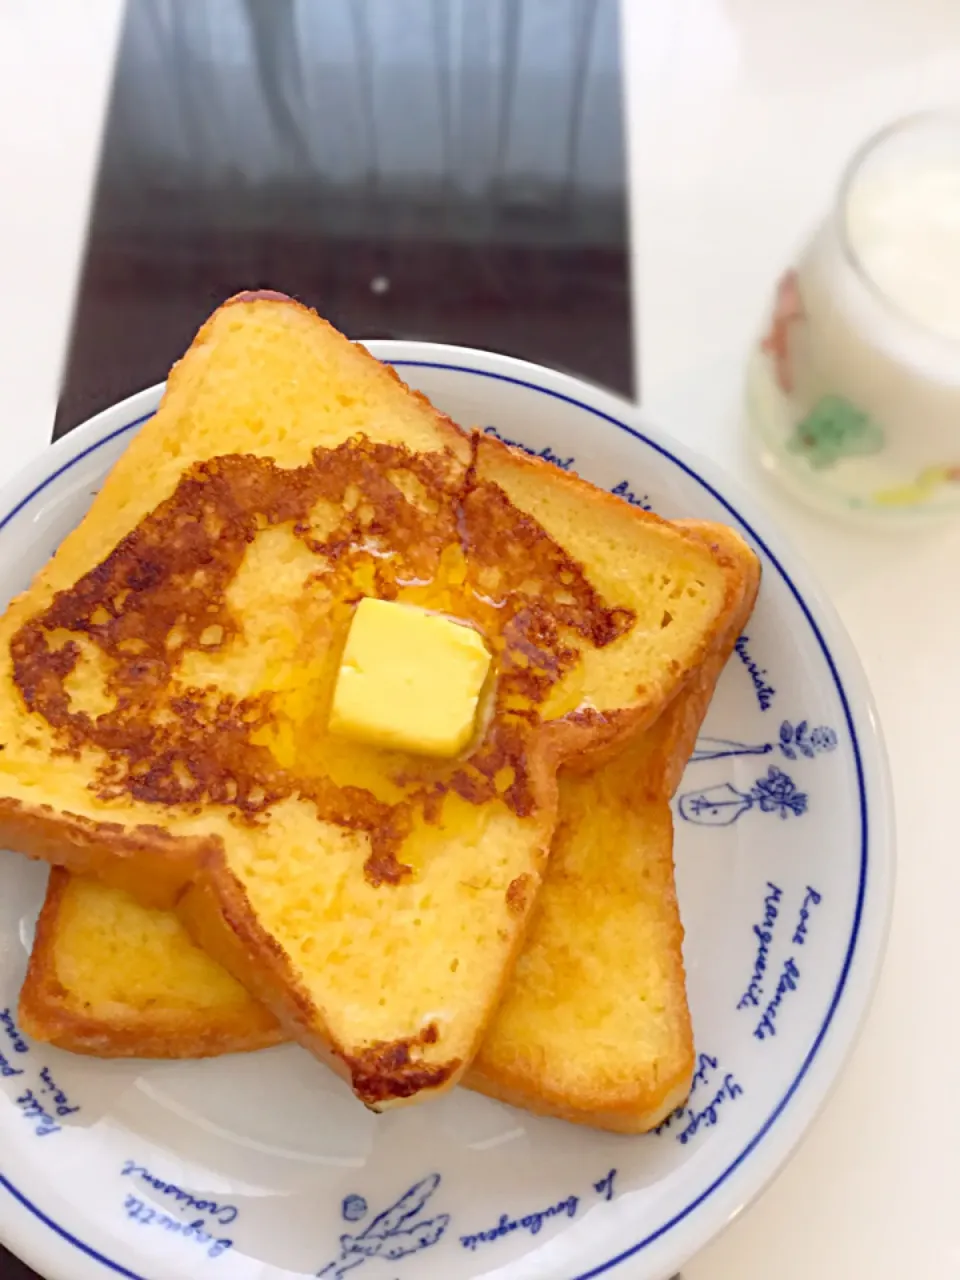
(107,850)
(584,738)
(454,438)
(166,578)
(682,723)
(220,921)
(644,776)
(47,1013)
(647,1100)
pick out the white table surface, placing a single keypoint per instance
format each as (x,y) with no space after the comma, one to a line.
(741,114)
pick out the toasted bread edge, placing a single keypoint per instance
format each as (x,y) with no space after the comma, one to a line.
(641,1108)
(46,1014)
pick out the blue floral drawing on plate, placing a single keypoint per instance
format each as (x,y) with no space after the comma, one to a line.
(392,1234)
(722,805)
(794,741)
(353,1208)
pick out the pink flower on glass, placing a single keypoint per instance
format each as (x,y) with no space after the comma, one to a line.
(787,309)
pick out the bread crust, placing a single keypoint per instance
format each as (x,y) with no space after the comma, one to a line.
(111,852)
(582,740)
(47,1013)
(636,1106)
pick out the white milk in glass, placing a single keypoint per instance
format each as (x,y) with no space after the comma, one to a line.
(904,228)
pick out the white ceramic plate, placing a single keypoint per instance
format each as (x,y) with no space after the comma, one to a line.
(263,1166)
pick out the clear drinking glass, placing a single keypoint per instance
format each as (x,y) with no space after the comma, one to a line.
(853,391)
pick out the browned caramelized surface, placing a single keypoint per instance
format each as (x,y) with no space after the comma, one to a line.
(380,521)
(393,1070)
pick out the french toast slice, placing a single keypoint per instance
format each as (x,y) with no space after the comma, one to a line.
(112,978)
(178,656)
(594,1026)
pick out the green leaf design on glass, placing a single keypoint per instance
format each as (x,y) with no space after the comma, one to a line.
(834,429)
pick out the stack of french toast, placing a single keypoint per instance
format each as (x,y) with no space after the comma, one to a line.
(342,725)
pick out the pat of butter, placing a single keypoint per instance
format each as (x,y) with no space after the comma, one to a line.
(409,679)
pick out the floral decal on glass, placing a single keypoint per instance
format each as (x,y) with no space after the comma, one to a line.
(787,311)
(834,429)
(927,483)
